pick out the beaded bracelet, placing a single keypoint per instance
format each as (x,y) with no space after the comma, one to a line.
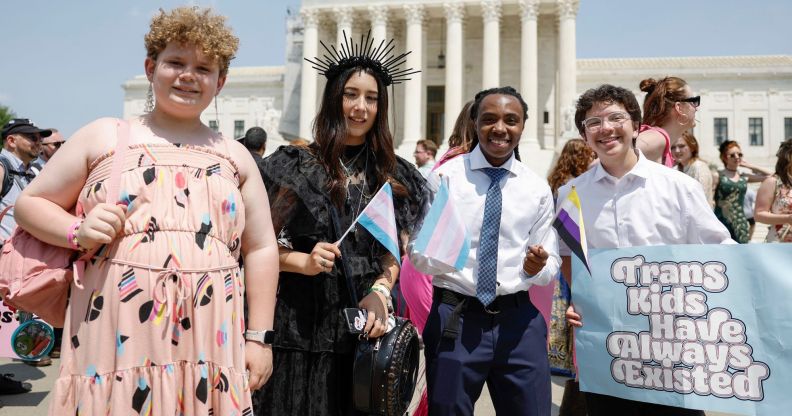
(381,288)
(71,236)
(384,291)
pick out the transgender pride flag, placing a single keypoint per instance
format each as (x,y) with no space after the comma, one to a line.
(443,238)
(380,220)
(569,225)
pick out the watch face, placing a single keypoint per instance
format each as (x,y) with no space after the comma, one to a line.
(269,337)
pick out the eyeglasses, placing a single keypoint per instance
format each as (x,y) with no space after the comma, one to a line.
(736,156)
(616,119)
(694,101)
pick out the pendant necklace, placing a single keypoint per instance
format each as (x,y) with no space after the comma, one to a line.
(360,187)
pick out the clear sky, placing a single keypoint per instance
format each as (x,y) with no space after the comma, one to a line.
(63,62)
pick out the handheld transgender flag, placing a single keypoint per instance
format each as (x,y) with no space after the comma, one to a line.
(569,225)
(379,219)
(443,237)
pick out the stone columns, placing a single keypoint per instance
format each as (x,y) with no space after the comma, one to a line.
(310,18)
(379,23)
(454,66)
(529,79)
(343,17)
(567,70)
(490,67)
(413,89)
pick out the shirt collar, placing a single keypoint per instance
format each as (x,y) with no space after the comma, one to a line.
(641,169)
(478,161)
(15,161)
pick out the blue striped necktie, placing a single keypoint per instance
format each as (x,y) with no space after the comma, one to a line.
(488,239)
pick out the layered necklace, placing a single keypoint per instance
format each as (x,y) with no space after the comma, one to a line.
(356,180)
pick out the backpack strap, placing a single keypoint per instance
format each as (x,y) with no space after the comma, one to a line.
(8,181)
(122,145)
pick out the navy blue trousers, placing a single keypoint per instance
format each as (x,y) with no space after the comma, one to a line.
(507,351)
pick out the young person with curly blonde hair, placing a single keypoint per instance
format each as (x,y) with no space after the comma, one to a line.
(157,325)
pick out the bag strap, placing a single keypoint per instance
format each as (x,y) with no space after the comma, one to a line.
(122,145)
(336,230)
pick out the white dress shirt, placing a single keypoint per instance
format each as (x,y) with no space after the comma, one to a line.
(650,205)
(526,219)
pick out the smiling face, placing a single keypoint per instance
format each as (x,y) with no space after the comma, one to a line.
(611,141)
(360,106)
(184,80)
(499,125)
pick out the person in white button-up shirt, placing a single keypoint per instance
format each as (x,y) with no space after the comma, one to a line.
(504,343)
(628,200)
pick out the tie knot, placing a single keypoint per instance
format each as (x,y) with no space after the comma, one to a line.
(495,174)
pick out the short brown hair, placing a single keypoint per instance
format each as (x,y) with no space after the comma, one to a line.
(606,93)
(193,26)
(429,146)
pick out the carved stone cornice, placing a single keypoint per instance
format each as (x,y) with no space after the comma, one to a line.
(529,9)
(454,12)
(567,9)
(344,16)
(378,15)
(414,13)
(310,17)
(491,10)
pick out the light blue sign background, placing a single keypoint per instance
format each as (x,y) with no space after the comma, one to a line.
(759,293)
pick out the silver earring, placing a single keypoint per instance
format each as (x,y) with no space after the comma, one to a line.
(149,107)
(217,118)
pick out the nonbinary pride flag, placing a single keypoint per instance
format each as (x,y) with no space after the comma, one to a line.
(380,220)
(569,225)
(443,236)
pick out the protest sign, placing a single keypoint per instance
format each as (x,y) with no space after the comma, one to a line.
(695,326)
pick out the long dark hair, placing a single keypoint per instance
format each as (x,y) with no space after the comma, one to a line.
(330,131)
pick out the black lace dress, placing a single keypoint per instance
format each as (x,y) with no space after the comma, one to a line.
(313,354)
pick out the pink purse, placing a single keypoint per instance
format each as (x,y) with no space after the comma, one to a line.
(35,276)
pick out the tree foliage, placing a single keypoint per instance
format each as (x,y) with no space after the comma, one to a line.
(5,115)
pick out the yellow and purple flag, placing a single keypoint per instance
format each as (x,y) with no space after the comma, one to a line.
(569,225)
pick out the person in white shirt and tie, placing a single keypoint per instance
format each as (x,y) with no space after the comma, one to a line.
(628,200)
(482,327)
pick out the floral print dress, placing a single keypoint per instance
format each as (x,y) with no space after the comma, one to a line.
(782,204)
(157,328)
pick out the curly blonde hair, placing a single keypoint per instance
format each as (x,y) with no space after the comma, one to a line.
(193,26)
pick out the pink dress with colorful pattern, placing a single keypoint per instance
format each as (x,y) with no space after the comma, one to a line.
(157,329)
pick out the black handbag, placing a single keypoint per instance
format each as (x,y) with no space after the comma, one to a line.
(385,370)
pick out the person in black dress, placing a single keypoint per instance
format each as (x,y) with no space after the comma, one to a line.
(316,193)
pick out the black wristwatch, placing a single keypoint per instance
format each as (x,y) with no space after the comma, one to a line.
(264,337)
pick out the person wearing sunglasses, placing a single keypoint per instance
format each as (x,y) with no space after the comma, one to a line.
(669,109)
(730,189)
(49,145)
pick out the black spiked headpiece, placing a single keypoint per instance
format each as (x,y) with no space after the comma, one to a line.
(381,59)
